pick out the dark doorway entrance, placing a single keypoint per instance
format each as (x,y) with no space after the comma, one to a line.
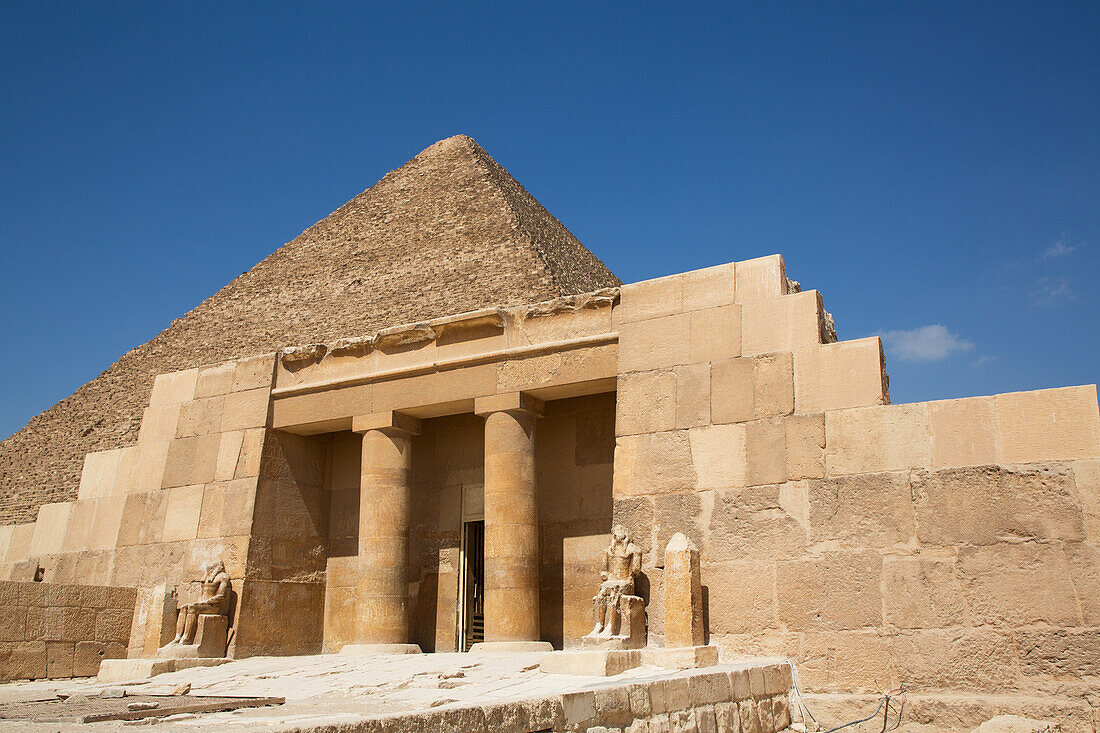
(473,583)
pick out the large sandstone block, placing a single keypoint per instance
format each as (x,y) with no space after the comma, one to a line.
(174,387)
(865,510)
(59,659)
(215,380)
(765,451)
(732,390)
(759,278)
(773,384)
(49,529)
(742,596)
(874,439)
(1086,476)
(161,422)
(655,344)
(637,515)
(105,523)
(840,375)
(1084,571)
(963,432)
(781,324)
(19,546)
(242,410)
(141,467)
(752,387)
(1017,584)
(755,523)
(805,446)
(1048,424)
(982,505)
(840,590)
(78,532)
(689,291)
(248,465)
(181,515)
(6,531)
(979,660)
(922,592)
(646,402)
(715,333)
(98,477)
(180,462)
(23,660)
(199,417)
(254,372)
(653,464)
(142,518)
(206,458)
(693,398)
(1059,652)
(323,407)
(229,453)
(719,456)
(677,513)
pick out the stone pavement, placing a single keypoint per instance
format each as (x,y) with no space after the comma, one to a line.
(332,690)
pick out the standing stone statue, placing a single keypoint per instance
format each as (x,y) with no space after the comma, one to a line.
(618,614)
(202,627)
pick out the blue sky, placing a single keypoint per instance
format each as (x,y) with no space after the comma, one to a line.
(932,168)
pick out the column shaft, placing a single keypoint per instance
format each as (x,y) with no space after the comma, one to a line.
(384,499)
(511,528)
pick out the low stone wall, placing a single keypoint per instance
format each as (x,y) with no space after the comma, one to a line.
(723,699)
(50,630)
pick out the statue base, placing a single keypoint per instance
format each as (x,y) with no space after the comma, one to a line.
(210,640)
(591,662)
(491,647)
(632,628)
(124,670)
(349,649)
(680,657)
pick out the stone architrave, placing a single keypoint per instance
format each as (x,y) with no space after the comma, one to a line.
(683,594)
(202,627)
(618,615)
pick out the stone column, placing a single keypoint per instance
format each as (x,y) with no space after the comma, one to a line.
(382,602)
(511,523)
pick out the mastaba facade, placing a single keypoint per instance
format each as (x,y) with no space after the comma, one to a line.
(456,479)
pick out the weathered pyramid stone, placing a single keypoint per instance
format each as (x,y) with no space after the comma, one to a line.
(449,231)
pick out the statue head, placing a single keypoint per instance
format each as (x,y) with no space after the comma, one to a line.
(212,569)
(619,535)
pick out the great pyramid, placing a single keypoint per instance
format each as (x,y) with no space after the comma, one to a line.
(447,232)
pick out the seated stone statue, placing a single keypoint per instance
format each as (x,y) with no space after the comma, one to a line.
(618,614)
(202,626)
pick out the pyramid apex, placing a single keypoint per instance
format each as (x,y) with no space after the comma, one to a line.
(454,142)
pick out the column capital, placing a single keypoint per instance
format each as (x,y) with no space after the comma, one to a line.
(508,402)
(388,420)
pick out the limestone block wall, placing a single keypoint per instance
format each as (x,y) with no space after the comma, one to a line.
(50,630)
(941,545)
(281,609)
(574,455)
(156,511)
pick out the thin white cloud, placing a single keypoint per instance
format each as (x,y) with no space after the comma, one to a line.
(1060,248)
(983,360)
(1050,291)
(927,343)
